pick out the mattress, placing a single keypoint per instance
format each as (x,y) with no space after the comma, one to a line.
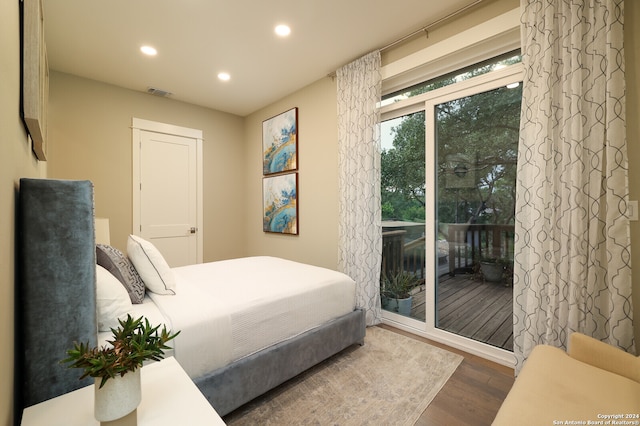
(230,309)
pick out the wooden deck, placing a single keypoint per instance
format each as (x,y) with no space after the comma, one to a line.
(472,308)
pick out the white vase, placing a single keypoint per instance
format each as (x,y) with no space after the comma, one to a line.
(118,397)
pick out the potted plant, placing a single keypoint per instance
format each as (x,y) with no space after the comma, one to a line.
(117,367)
(493,268)
(396,292)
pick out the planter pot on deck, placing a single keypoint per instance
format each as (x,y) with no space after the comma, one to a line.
(401,306)
(492,271)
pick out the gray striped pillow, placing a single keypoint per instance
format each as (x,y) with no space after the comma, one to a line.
(116,262)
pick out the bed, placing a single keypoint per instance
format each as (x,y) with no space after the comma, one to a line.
(247,325)
(231,313)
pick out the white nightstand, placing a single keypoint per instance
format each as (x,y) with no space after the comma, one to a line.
(169,397)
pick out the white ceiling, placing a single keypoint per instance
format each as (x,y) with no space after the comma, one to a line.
(196,39)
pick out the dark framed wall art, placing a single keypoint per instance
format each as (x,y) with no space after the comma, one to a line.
(35,75)
(280,203)
(280,143)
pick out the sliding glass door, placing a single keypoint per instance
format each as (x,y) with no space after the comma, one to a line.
(476,150)
(448,195)
(403,209)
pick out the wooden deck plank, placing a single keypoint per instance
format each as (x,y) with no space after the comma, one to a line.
(472,308)
(490,315)
(460,300)
(503,336)
(468,307)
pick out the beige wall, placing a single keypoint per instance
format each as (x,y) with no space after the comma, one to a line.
(318,158)
(16,161)
(318,239)
(90,133)
(317,242)
(90,139)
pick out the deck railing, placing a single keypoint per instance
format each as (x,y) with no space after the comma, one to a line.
(467,244)
(470,243)
(398,255)
(392,252)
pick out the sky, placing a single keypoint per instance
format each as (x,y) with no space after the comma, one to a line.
(386,133)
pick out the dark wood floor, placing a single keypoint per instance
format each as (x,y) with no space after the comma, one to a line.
(473,394)
(472,308)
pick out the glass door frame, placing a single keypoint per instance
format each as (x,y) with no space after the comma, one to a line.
(427,102)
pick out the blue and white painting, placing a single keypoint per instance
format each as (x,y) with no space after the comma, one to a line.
(279,143)
(280,204)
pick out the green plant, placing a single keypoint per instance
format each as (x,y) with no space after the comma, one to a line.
(398,285)
(134,342)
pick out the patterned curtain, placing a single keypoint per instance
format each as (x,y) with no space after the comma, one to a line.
(572,263)
(359,229)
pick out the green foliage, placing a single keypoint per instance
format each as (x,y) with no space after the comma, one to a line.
(134,342)
(481,130)
(403,177)
(480,133)
(387,209)
(398,285)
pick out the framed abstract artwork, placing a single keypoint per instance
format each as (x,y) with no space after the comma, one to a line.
(35,76)
(280,204)
(280,143)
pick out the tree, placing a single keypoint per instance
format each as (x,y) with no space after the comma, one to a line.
(403,178)
(476,145)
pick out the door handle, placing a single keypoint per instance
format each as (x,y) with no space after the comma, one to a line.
(193,230)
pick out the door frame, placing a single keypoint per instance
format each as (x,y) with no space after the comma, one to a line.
(137,126)
(493,37)
(426,102)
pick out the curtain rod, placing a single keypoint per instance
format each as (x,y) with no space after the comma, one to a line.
(423,29)
(431,25)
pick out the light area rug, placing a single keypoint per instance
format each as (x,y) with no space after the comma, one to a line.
(390,380)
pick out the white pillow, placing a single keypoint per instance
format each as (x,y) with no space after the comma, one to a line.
(153,269)
(112,299)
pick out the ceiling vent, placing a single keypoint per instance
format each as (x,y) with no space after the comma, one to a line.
(158,92)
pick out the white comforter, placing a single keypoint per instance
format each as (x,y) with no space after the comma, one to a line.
(230,309)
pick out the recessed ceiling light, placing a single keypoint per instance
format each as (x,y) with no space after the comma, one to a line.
(148,50)
(283,30)
(224,76)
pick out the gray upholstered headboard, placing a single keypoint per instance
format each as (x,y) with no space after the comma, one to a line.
(56,296)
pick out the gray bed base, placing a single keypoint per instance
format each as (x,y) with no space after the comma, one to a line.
(238,383)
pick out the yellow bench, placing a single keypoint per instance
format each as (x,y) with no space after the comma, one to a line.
(592,383)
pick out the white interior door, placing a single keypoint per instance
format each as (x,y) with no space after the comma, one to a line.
(168,190)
